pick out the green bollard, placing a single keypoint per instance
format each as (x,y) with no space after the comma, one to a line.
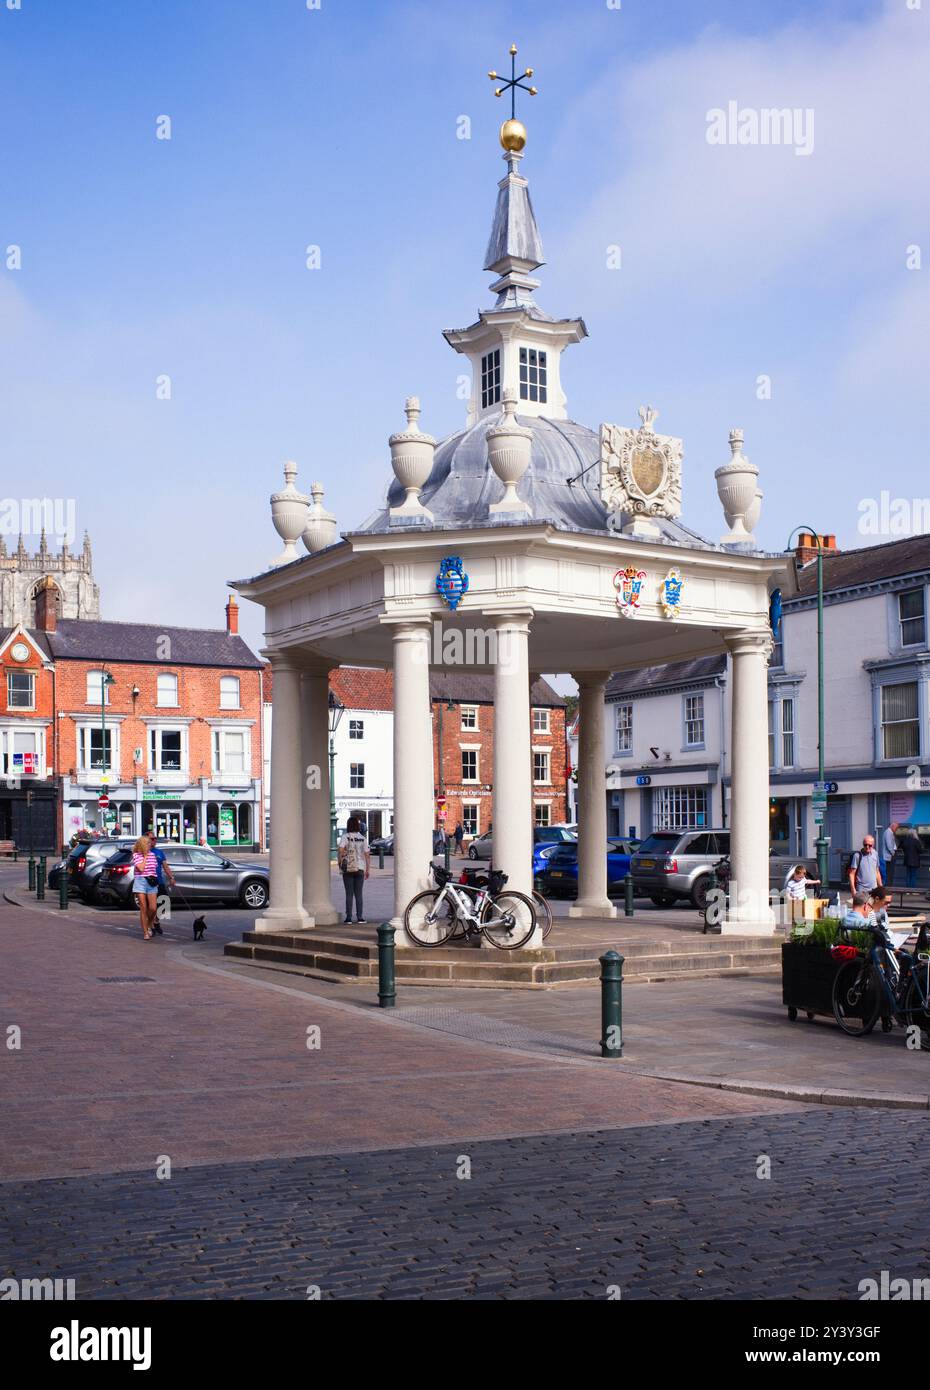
(63,891)
(381,856)
(40,880)
(32,874)
(387,993)
(15,855)
(611,1004)
(628,895)
(447,855)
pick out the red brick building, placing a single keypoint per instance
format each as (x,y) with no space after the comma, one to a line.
(166,721)
(463,751)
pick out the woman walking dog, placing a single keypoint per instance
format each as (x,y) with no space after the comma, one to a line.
(145,884)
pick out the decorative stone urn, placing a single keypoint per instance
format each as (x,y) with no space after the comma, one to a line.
(739,494)
(751,519)
(288,515)
(320,530)
(412,460)
(509,446)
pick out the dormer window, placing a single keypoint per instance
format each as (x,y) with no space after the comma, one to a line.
(490,378)
(532,375)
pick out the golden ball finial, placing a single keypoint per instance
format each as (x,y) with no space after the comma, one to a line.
(513,135)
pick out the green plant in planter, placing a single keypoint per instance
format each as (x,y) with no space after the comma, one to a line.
(824,932)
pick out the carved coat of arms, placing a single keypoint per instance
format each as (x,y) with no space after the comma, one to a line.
(670,593)
(629,586)
(452,581)
(640,472)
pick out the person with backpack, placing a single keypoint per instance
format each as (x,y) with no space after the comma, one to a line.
(864,870)
(355,866)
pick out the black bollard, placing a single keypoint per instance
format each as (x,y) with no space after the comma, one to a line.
(611,1004)
(628,895)
(387,992)
(63,890)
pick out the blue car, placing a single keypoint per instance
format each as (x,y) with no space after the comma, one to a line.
(543,849)
(559,878)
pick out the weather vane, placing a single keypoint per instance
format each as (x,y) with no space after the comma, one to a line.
(513,132)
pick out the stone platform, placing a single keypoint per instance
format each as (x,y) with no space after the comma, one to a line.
(651,952)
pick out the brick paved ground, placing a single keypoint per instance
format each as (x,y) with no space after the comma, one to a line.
(661,1211)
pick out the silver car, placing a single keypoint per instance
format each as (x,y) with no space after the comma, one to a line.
(673,864)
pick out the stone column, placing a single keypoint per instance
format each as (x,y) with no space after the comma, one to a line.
(750,913)
(413,767)
(285,911)
(513,758)
(314,692)
(592,900)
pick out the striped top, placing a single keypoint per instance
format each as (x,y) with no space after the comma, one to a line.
(145,865)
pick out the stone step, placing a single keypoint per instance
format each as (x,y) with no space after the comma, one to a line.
(492,968)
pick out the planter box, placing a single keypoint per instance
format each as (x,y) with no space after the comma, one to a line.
(807,975)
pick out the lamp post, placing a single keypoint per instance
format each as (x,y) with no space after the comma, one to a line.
(336,710)
(821,844)
(444,705)
(106,680)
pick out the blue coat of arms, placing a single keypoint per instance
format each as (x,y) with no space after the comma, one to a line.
(451,581)
(671,593)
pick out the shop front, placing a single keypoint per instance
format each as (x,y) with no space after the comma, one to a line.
(222,817)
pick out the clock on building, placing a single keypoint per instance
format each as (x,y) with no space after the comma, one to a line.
(19,651)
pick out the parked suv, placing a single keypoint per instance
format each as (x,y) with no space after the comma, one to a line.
(673,864)
(201,876)
(85,862)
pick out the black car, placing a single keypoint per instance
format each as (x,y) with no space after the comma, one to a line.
(384,843)
(85,864)
(201,876)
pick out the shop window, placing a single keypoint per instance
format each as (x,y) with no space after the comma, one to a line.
(470,818)
(679,808)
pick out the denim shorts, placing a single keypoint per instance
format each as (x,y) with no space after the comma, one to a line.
(142,885)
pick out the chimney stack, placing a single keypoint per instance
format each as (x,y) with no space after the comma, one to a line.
(232,616)
(47,606)
(807,547)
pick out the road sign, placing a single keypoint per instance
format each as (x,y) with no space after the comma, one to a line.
(831,787)
(103,801)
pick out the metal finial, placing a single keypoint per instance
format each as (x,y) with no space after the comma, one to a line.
(510,85)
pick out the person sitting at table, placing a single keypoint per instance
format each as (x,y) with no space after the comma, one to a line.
(881,900)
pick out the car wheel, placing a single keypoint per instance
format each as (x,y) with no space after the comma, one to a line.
(254,894)
(662,899)
(699,892)
(472,852)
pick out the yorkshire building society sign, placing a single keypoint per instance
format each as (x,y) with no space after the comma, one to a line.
(640,474)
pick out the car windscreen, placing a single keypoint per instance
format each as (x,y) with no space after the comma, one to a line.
(660,843)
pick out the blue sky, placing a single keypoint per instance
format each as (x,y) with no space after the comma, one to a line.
(337,127)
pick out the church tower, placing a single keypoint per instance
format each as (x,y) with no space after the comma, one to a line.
(72,591)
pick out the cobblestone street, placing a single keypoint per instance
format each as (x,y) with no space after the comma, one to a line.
(657,1211)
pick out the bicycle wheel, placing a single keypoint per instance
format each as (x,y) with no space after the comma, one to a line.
(857,997)
(917,1014)
(518,924)
(543,913)
(422,926)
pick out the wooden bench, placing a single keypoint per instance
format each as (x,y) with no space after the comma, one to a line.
(8,847)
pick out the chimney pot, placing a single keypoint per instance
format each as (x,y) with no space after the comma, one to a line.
(232,616)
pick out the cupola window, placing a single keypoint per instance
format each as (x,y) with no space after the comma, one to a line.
(532,375)
(490,378)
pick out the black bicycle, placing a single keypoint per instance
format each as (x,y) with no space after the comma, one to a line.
(882,981)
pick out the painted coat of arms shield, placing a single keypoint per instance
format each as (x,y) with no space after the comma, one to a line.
(452,581)
(629,583)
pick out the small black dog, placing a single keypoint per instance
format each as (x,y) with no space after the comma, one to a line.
(200,926)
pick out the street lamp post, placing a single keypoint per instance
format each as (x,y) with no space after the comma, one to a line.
(449,705)
(106,680)
(821,844)
(336,710)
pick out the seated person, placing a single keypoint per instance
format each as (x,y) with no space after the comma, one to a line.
(859,914)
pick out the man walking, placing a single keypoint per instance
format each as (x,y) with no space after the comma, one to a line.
(864,869)
(910,852)
(889,850)
(459,837)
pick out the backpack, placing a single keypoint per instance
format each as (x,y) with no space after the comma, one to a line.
(353,857)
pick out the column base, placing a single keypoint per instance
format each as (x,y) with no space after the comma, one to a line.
(282,921)
(753,927)
(598,907)
(323,914)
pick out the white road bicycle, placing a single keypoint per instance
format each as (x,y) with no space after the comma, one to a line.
(435,916)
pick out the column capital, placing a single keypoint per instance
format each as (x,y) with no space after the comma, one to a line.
(588,680)
(519,618)
(748,642)
(283,659)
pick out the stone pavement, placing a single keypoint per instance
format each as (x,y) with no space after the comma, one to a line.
(129,1052)
(764,1207)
